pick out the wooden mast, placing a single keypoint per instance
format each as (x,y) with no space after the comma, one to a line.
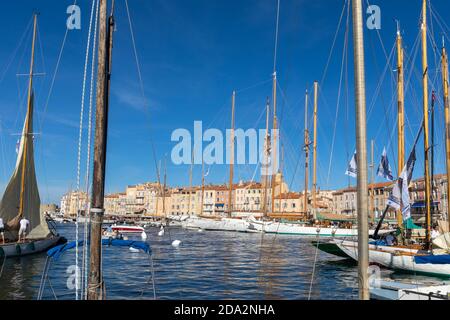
(203,187)
(28,123)
(447,122)
(426,124)
(275,137)
(306,149)
(95,285)
(266,161)
(362,195)
(230,191)
(400,113)
(314,186)
(372,192)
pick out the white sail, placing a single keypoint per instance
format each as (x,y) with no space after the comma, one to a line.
(11,201)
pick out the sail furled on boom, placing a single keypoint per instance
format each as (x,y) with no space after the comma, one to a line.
(23,183)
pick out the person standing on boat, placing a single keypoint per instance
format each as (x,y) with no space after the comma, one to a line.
(24,223)
(2,230)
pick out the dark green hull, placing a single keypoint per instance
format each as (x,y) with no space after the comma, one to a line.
(330,247)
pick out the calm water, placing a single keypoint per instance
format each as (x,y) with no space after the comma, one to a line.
(208,265)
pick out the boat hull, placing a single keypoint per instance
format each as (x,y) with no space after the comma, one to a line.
(302,230)
(224,224)
(128,229)
(396,258)
(15,249)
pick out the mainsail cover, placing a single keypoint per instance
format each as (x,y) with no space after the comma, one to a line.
(10,203)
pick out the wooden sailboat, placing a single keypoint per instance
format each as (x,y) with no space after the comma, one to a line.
(221,223)
(21,198)
(416,259)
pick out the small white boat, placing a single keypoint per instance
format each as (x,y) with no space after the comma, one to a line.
(393,290)
(122,228)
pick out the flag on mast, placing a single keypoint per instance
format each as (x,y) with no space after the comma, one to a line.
(384,169)
(352,167)
(399,197)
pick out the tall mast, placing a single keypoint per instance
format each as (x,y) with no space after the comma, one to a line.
(266,161)
(95,285)
(426,124)
(306,148)
(400,113)
(275,137)
(164,187)
(27,126)
(361,144)
(203,187)
(447,122)
(230,191)
(314,186)
(372,192)
(190,186)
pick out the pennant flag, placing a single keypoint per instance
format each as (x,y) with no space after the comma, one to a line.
(384,169)
(399,197)
(352,167)
(17,146)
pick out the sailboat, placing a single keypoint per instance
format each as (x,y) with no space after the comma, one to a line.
(221,223)
(424,259)
(21,198)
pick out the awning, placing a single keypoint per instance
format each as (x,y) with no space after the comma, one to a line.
(421,204)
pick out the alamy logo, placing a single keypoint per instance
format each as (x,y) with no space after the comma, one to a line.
(374,273)
(250,147)
(74,273)
(74,19)
(374,19)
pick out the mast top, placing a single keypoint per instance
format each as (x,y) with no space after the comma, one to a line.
(398,28)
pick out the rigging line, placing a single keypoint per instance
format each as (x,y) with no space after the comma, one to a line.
(80,135)
(14,53)
(88,156)
(333,45)
(141,82)
(339,96)
(276,38)
(54,74)
(254,85)
(386,111)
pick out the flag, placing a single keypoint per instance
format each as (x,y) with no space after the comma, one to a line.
(17,146)
(399,197)
(384,169)
(352,167)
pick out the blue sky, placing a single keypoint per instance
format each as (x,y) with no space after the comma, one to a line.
(192,55)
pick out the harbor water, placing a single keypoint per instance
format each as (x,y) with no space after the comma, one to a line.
(207,265)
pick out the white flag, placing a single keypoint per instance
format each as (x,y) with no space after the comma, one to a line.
(384,169)
(352,167)
(400,194)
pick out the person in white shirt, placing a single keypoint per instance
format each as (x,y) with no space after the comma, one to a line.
(2,230)
(435,233)
(24,223)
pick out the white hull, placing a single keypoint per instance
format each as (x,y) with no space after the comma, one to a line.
(395,258)
(302,230)
(27,248)
(224,224)
(391,290)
